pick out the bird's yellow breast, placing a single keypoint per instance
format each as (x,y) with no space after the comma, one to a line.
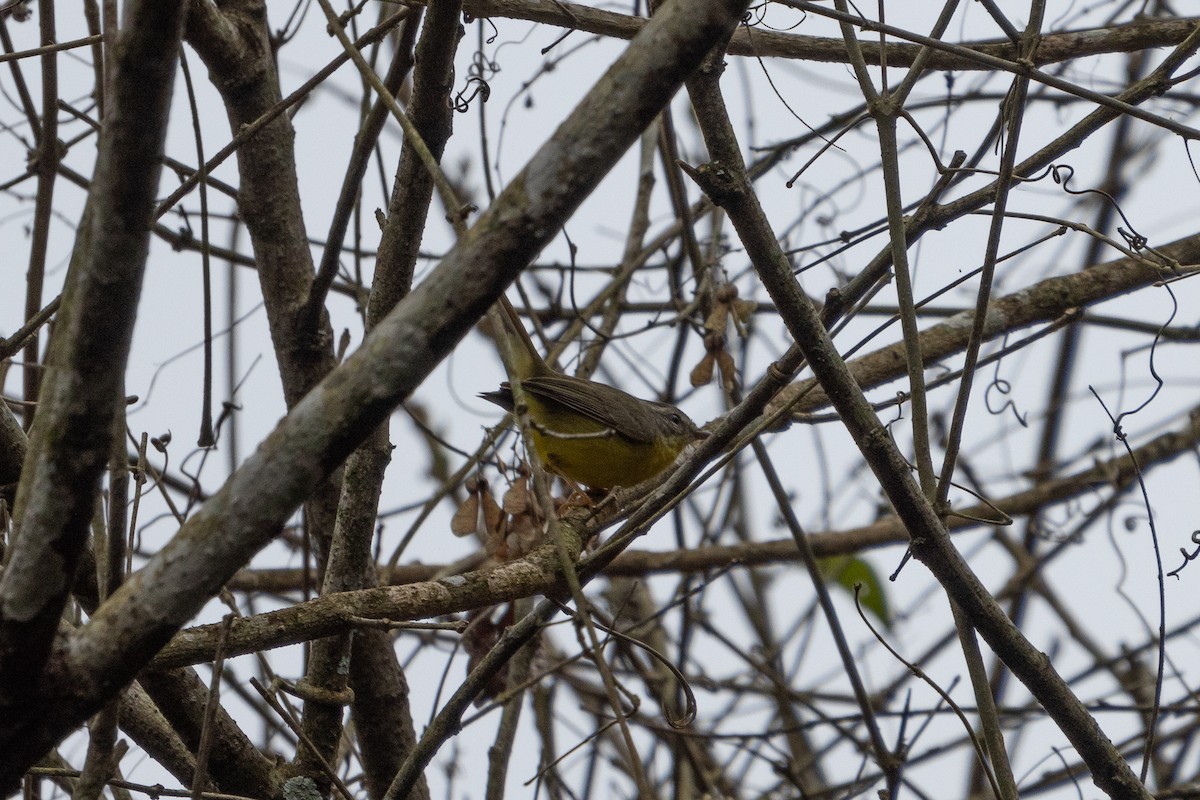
(584,451)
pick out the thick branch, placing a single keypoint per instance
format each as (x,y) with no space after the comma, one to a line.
(337,414)
(1054,48)
(1042,302)
(234,42)
(85,366)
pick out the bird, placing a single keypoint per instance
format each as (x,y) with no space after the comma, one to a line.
(587,432)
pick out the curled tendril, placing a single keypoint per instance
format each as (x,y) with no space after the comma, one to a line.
(468,18)
(482,67)
(1192,556)
(1004,388)
(1134,239)
(476,87)
(1062,174)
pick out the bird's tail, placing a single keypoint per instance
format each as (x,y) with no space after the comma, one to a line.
(517,351)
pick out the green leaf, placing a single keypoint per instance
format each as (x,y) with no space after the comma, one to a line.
(851,571)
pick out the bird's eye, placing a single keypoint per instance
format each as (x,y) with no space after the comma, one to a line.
(676,419)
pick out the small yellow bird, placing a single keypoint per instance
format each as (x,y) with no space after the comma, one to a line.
(587,432)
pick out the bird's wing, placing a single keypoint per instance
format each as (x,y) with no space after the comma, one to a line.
(596,401)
